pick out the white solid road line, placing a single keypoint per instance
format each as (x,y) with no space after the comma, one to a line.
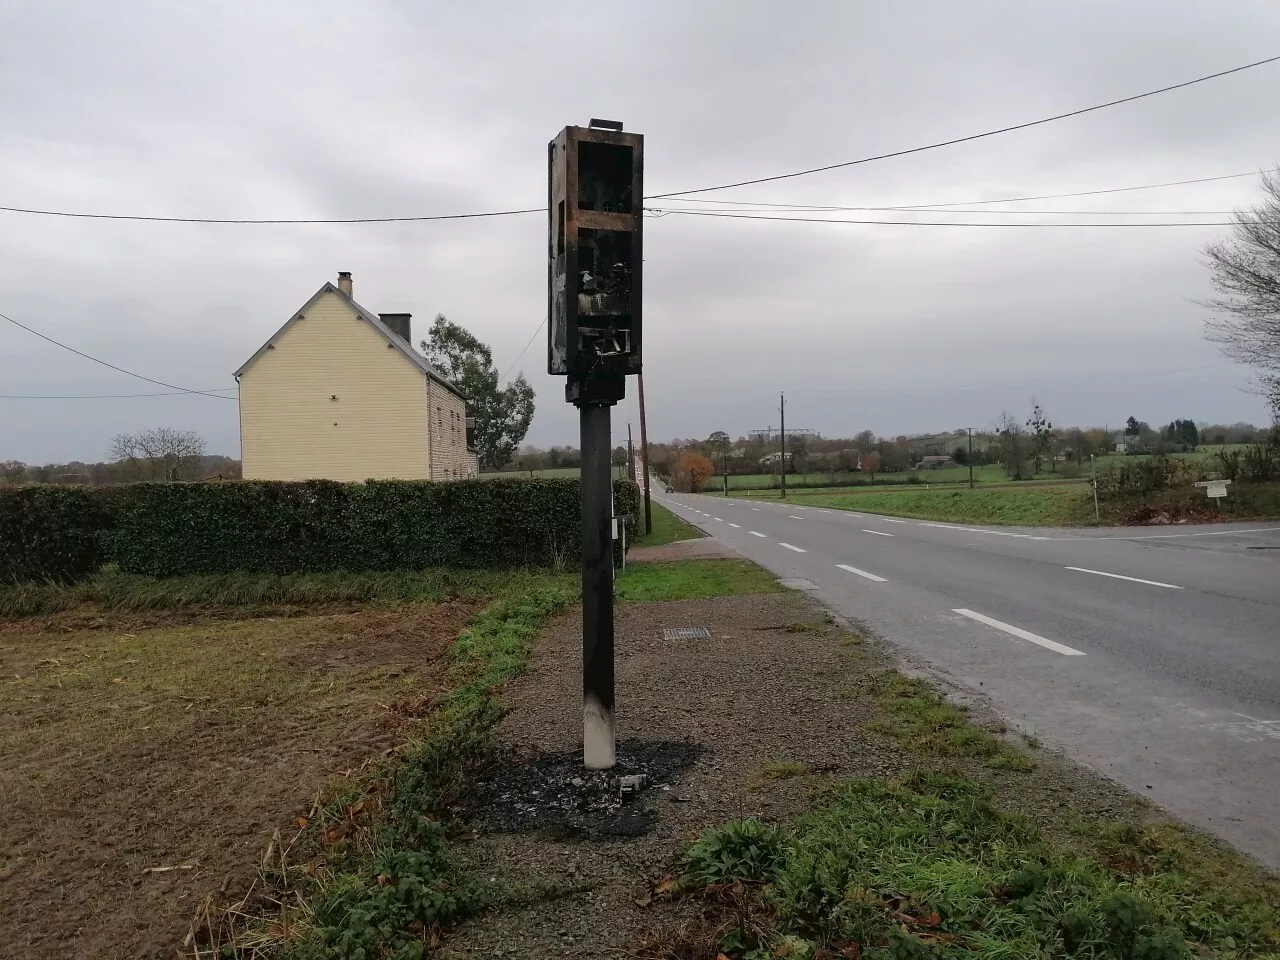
(1117,576)
(879,533)
(861,573)
(1027,635)
(754,534)
(735,525)
(790,547)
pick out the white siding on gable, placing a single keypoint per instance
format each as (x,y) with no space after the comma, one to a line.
(291,428)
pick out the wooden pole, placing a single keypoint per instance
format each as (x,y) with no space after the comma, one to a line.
(644,456)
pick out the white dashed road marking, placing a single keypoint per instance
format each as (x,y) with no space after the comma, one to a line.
(1021,634)
(794,517)
(790,547)
(754,534)
(718,518)
(861,573)
(735,526)
(1117,576)
(892,520)
(879,533)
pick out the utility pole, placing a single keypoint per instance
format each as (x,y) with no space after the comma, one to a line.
(631,455)
(970,458)
(724,464)
(595,182)
(1093,468)
(644,456)
(782,436)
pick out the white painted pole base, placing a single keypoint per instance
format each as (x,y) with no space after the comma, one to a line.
(598,745)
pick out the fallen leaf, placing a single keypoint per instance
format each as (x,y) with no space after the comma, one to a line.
(932,920)
(117,679)
(665,885)
(302,823)
(643,901)
(355,808)
(721,956)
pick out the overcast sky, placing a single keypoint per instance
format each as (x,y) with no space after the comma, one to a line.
(324,109)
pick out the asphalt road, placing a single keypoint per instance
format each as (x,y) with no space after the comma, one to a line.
(1150,654)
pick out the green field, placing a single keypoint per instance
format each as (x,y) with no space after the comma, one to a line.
(618,471)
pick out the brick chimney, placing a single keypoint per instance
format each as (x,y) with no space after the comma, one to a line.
(399,324)
(344,282)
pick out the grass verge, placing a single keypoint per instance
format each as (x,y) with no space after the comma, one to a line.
(692,580)
(919,719)
(1067,504)
(667,528)
(928,867)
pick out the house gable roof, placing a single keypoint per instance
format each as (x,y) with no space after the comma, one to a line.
(412,355)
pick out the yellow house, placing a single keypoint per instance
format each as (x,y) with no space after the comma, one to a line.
(339,393)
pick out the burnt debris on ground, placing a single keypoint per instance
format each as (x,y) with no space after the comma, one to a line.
(554,792)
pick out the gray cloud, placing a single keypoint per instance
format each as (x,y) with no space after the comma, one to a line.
(332,110)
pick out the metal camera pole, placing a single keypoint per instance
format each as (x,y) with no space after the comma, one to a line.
(594,254)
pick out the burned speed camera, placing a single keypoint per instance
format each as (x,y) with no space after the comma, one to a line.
(594,249)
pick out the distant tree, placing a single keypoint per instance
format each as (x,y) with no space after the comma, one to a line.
(864,442)
(1013,443)
(692,471)
(1132,427)
(718,439)
(1041,435)
(1245,271)
(160,454)
(501,414)
(960,455)
(12,472)
(871,463)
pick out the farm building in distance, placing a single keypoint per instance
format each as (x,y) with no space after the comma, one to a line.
(339,393)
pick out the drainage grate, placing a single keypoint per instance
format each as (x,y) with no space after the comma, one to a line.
(686,633)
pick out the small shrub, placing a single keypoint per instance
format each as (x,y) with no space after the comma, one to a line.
(744,850)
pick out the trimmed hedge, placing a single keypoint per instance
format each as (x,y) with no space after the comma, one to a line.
(169,529)
(50,533)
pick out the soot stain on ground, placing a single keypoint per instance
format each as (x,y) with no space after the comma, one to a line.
(555,793)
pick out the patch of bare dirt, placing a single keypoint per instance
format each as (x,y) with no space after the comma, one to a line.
(144,770)
(681,550)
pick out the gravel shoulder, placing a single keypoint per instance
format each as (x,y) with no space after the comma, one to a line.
(775,704)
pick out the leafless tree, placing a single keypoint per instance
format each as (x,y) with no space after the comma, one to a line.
(1013,443)
(159,454)
(1245,271)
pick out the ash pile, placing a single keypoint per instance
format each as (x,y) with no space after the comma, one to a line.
(554,792)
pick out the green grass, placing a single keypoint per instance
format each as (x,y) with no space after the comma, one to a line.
(919,719)
(1009,504)
(667,528)
(929,867)
(692,580)
(783,770)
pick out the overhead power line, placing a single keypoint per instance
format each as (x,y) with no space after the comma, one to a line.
(80,353)
(969,203)
(971,137)
(522,352)
(123,216)
(938,223)
(107,396)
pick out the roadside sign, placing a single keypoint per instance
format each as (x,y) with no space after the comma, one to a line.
(1214,489)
